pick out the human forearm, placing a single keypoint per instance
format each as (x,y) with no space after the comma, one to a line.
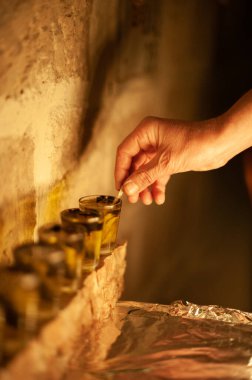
(159,148)
(236,131)
(213,142)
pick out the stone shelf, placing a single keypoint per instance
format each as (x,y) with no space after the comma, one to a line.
(48,354)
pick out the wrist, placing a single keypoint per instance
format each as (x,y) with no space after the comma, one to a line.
(207,145)
(236,132)
(217,140)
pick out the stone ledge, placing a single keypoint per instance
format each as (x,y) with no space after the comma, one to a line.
(47,355)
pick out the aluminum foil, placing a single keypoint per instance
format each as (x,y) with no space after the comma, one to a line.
(177,341)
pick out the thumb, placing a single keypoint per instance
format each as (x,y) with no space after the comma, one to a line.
(144,176)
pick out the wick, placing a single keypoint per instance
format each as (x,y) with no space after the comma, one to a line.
(120,193)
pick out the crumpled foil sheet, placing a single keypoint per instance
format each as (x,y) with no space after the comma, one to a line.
(179,341)
(217,313)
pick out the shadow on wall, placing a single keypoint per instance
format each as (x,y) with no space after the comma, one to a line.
(54,48)
(103,65)
(95,96)
(112,67)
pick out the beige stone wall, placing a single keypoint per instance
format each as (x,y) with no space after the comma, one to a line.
(76,77)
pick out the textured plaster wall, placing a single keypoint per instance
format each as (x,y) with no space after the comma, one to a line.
(76,77)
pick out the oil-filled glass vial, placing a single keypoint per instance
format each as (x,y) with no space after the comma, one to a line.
(71,241)
(49,262)
(19,293)
(91,222)
(110,207)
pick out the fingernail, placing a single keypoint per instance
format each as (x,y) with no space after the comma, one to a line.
(130,188)
(160,200)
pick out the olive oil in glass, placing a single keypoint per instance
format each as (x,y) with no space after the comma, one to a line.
(48,262)
(91,222)
(70,239)
(110,207)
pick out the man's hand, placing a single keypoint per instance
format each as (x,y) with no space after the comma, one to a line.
(154,151)
(158,148)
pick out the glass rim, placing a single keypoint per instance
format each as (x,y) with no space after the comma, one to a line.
(78,216)
(25,279)
(52,227)
(39,251)
(116,205)
(59,233)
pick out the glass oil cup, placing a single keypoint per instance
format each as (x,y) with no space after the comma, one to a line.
(71,241)
(48,262)
(110,207)
(19,293)
(91,222)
